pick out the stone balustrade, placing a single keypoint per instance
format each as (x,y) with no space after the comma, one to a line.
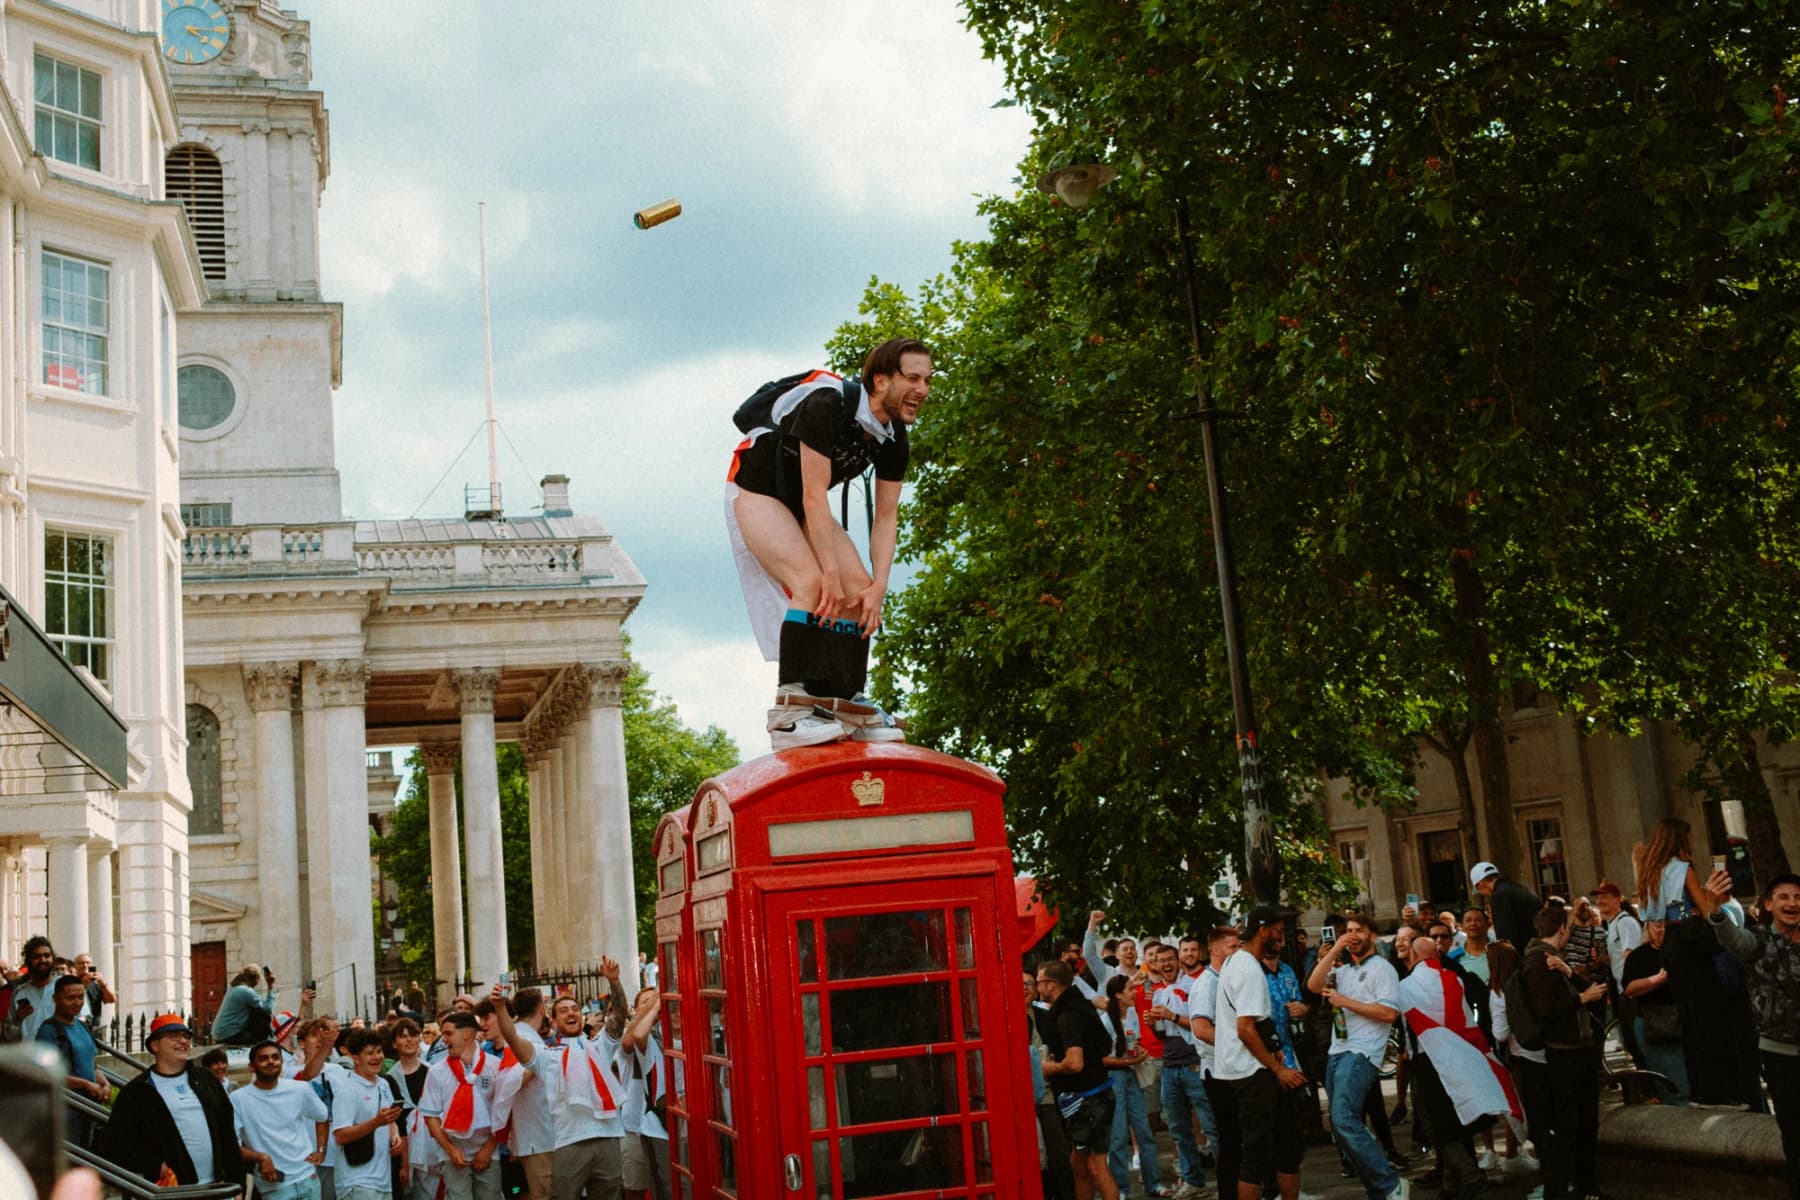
(335,549)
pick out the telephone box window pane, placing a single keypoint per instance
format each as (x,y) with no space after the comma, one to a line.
(679,1126)
(672,879)
(965,940)
(721,1079)
(896,1090)
(673,1009)
(977,1083)
(715,1022)
(809,1018)
(815,1096)
(809,956)
(971,1009)
(897,943)
(667,970)
(727,1146)
(712,970)
(822,1170)
(905,1014)
(984,1153)
(879,1164)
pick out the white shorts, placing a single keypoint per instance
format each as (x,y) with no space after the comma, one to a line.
(766,599)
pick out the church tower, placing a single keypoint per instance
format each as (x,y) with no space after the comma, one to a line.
(260,360)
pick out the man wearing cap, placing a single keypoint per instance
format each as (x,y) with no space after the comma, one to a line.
(1511,903)
(174,1124)
(1259,1134)
(1624,933)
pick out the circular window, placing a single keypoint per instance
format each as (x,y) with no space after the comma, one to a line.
(205,396)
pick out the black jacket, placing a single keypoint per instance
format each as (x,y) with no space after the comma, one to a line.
(141,1135)
(1554,1001)
(1514,907)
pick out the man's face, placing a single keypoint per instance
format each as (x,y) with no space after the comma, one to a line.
(1653,932)
(69,999)
(902,394)
(1355,938)
(1071,954)
(368,1061)
(220,1070)
(459,1038)
(1224,948)
(40,962)
(1403,940)
(84,966)
(1127,954)
(460,1004)
(567,1016)
(1427,945)
(1608,904)
(1486,886)
(1189,955)
(171,1051)
(1784,905)
(1165,961)
(490,1027)
(1475,925)
(1046,988)
(406,1043)
(266,1064)
(1030,986)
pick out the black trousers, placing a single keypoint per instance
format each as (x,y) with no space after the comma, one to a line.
(1533,1081)
(1574,1119)
(1059,1176)
(1455,1148)
(1231,1135)
(1783,1074)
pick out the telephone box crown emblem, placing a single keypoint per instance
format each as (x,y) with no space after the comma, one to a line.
(868,790)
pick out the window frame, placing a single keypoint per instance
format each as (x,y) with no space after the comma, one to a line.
(107,641)
(208,802)
(75,117)
(63,327)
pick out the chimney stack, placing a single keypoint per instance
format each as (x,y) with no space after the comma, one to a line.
(556,496)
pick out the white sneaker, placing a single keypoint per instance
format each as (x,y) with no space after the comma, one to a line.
(1488,1160)
(876,725)
(792,727)
(1403,1192)
(1524,1160)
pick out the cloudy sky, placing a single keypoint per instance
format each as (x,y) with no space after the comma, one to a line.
(812,143)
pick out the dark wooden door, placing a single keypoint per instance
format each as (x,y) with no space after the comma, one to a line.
(209,980)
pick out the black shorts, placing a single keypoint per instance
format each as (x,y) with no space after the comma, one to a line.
(1269,1132)
(1090,1130)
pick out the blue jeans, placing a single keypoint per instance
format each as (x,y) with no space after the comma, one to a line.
(1348,1078)
(1184,1097)
(1665,1058)
(1131,1116)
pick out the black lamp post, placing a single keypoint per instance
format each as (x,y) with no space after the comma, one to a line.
(1076,186)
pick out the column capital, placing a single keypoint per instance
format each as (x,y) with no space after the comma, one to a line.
(65,841)
(440,757)
(603,683)
(343,682)
(476,688)
(269,687)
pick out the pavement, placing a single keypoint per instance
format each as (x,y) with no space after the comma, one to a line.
(1321,1178)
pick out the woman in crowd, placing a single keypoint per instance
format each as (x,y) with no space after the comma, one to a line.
(1666,881)
(1528,1067)
(1130,1118)
(1658,1023)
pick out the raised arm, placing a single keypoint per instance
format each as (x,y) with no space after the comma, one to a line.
(615,1020)
(523,1048)
(649,1007)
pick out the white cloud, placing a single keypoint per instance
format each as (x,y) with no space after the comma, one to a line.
(723,683)
(387,229)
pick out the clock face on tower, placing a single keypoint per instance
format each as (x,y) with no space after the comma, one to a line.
(194,31)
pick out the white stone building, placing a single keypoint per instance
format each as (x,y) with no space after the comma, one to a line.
(101,270)
(197,793)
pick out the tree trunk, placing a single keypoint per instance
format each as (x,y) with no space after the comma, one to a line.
(1455,751)
(1482,688)
(1768,858)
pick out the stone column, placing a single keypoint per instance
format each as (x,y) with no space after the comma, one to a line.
(541,915)
(269,687)
(100,910)
(68,877)
(481,824)
(281,212)
(608,831)
(446,868)
(343,918)
(256,235)
(581,893)
(555,878)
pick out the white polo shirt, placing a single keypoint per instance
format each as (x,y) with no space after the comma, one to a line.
(1373,981)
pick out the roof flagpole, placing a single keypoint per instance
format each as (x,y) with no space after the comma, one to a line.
(487,343)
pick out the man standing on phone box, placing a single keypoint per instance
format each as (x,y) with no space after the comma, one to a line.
(283,1125)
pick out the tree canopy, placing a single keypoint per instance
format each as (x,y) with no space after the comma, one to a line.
(1501,302)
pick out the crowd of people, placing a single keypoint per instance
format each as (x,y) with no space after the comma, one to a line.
(1501,1012)
(531,1093)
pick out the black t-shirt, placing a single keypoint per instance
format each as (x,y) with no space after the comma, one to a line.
(1643,962)
(1075,1022)
(825,421)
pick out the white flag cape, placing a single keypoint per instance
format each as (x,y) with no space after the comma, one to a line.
(1437,1012)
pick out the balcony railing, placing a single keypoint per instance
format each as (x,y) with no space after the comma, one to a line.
(273,550)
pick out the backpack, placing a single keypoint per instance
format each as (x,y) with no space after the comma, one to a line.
(1527,1030)
(758,412)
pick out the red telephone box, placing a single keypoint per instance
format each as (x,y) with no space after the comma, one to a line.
(838,947)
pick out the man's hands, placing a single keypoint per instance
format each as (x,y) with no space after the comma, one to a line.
(1593,992)
(1718,884)
(316,1157)
(1296,1009)
(398,1149)
(484,1156)
(865,607)
(1289,1078)
(1095,917)
(265,1167)
(458,1159)
(609,970)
